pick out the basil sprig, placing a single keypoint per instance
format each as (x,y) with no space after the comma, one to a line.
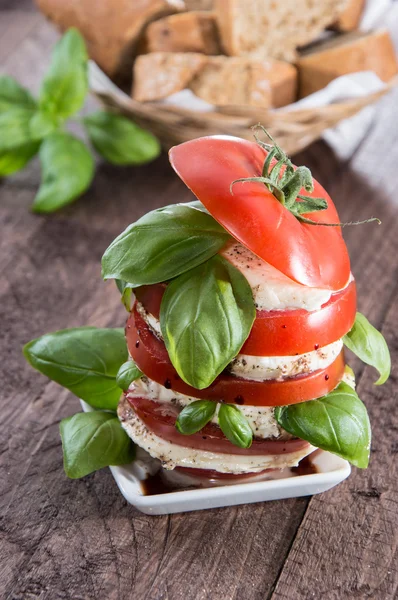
(163,244)
(127,373)
(84,360)
(93,440)
(28,126)
(338,423)
(370,346)
(195,416)
(205,317)
(235,426)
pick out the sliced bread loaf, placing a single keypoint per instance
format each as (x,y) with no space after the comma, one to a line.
(111,28)
(219,80)
(345,54)
(186,32)
(265,29)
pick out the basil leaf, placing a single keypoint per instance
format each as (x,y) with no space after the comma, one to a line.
(42,124)
(127,373)
(195,416)
(120,141)
(338,423)
(67,172)
(93,440)
(14,160)
(370,346)
(163,244)
(205,317)
(12,95)
(65,86)
(126,292)
(235,426)
(15,129)
(84,360)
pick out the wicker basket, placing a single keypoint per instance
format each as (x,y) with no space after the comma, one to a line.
(294,129)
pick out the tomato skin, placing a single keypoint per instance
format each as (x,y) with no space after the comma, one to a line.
(312,255)
(160,419)
(284,332)
(152,358)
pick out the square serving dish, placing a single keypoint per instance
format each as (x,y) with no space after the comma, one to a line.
(331,470)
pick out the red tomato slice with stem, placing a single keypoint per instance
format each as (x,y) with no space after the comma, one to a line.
(161,421)
(283,332)
(152,359)
(313,255)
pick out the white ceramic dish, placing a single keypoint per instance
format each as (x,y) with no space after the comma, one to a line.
(331,471)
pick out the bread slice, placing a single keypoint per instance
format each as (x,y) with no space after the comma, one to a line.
(160,74)
(345,54)
(219,80)
(265,29)
(350,17)
(111,28)
(185,32)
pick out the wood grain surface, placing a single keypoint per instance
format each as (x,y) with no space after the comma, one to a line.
(79,540)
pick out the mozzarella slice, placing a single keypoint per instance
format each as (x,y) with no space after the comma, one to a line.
(272,290)
(261,368)
(172,455)
(260,418)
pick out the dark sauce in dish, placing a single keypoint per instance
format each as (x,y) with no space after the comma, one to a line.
(160,484)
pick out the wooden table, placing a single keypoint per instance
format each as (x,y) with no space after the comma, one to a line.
(80,539)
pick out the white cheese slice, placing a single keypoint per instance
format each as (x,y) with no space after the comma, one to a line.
(272,290)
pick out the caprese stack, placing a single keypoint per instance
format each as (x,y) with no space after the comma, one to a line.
(237,333)
(243,300)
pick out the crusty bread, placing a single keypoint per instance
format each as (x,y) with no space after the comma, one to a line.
(160,74)
(265,29)
(186,32)
(111,28)
(350,17)
(219,80)
(345,54)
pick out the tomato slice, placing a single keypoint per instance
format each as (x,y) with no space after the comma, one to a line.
(212,475)
(160,419)
(284,332)
(152,358)
(312,255)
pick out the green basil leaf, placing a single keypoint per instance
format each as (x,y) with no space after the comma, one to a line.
(67,172)
(126,293)
(42,124)
(14,160)
(235,426)
(205,316)
(15,129)
(12,95)
(163,244)
(65,86)
(120,141)
(127,373)
(93,440)
(338,423)
(370,346)
(84,360)
(195,416)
